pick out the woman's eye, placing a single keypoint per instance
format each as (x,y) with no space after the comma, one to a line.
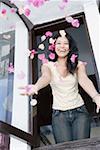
(58,43)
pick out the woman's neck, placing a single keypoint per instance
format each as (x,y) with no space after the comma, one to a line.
(62,61)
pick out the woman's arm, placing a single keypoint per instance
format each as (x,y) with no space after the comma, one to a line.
(87,84)
(42,82)
(84,81)
(45,78)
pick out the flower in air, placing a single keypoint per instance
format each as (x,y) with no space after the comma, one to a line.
(13,10)
(51,47)
(3,11)
(21,75)
(32,53)
(75,23)
(52,56)
(48,34)
(43,38)
(62,33)
(11,68)
(42,58)
(41,46)
(73,57)
(27,11)
(37,3)
(51,41)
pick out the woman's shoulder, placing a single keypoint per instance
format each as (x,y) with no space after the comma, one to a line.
(49,64)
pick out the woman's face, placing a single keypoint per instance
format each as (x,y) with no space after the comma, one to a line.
(62,46)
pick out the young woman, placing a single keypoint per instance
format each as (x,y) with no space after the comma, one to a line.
(70,119)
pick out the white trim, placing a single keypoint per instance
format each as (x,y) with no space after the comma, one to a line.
(93,22)
(20,111)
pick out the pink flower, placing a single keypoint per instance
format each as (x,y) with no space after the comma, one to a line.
(51,47)
(65,1)
(69,19)
(48,34)
(44,60)
(21,75)
(41,56)
(75,23)
(12,1)
(62,5)
(27,11)
(32,53)
(52,56)
(73,57)
(13,10)
(4,11)
(37,3)
(11,68)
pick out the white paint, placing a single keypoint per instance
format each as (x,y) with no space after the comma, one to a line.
(20,103)
(93,22)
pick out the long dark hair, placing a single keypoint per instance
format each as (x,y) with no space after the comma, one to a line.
(71,66)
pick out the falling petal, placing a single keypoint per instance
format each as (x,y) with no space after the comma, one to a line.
(27,11)
(41,56)
(41,46)
(28,53)
(62,5)
(10,68)
(21,75)
(62,33)
(48,34)
(45,60)
(31,56)
(21,10)
(65,1)
(69,19)
(52,56)
(43,38)
(13,10)
(3,11)
(51,47)
(73,57)
(6,36)
(37,3)
(75,23)
(51,41)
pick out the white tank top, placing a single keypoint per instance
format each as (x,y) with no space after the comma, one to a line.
(64,89)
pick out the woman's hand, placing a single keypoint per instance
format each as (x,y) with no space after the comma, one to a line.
(97,101)
(29,90)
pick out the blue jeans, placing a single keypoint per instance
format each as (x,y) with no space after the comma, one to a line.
(71,124)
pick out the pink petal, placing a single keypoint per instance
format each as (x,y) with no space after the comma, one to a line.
(3,11)
(75,23)
(48,34)
(69,19)
(41,56)
(73,57)
(37,3)
(65,1)
(51,56)
(27,11)
(51,47)
(45,60)
(31,56)
(62,5)
(21,75)
(13,10)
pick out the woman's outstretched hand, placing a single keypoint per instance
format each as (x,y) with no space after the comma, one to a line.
(28,90)
(97,101)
